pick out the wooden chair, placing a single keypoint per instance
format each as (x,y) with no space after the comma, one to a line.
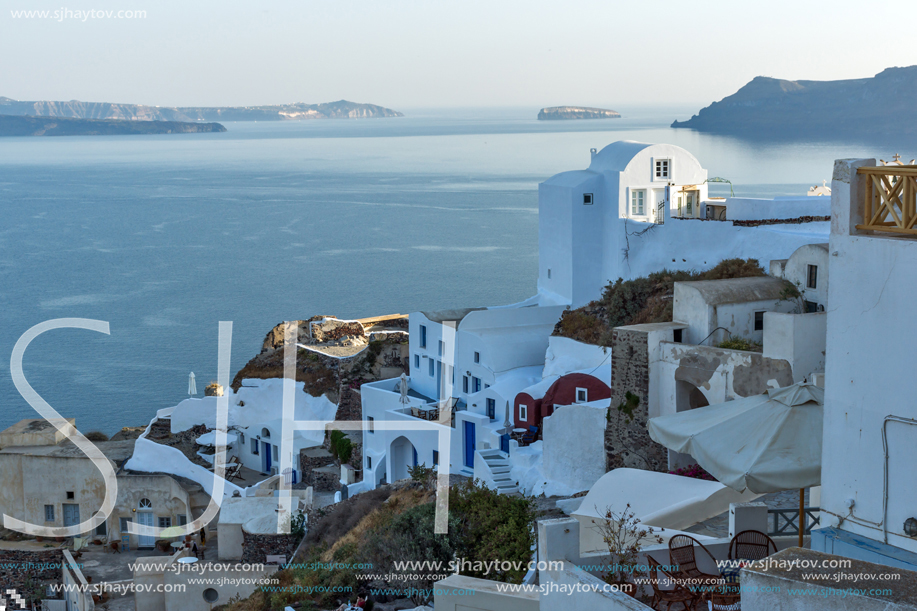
(681,554)
(751,545)
(725,597)
(678,594)
(233,472)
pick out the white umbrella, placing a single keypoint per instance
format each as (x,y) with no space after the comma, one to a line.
(403,385)
(192,385)
(765,443)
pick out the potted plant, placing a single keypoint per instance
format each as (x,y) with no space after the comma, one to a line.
(625,537)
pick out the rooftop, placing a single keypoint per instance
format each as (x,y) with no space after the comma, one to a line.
(736,290)
(116,451)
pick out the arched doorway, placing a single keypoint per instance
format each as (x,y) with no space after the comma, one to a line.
(402,456)
(688,396)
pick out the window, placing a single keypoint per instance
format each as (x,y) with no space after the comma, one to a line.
(477,357)
(465,384)
(423,336)
(276,453)
(661,169)
(265,433)
(476,384)
(549,273)
(677,336)
(492,409)
(254,446)
(442,347)
(369,462)
(689,204)
(432,367)
(759,321)
(241,437)
(165,522)
(145,504)
(415,456)
(435,457)
(523,412)
(812,277)
(182,519)
(49,513)
(369,423)
(69,495)
(587,199)
(811,307)
(416,361)
(636,202)
(124,525)
(582,395)
(101,529)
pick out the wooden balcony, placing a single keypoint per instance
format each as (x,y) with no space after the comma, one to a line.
(890,203)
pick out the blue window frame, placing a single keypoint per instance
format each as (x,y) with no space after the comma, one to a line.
(254,446)
(465,384)
(435,457)
(423,336)
(476,384)
(49,513)
(416,361)
(442,347)
(477,357)
(492,409)
(432,368)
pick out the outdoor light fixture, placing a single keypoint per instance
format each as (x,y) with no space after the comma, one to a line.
(910,527)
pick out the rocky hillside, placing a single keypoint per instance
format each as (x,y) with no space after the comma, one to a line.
(554,113)
(341,109)
(58,126)
(877,106)
(640,301)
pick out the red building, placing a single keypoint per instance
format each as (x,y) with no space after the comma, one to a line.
(537,402)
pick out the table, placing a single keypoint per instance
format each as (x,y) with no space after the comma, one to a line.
(177,545)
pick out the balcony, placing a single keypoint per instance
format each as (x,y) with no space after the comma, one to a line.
(890,199)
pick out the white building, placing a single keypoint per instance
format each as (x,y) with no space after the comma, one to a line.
(639,208)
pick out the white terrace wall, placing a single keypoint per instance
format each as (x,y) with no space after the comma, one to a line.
(798,339)
(574,445)
(752,209)
(869,373)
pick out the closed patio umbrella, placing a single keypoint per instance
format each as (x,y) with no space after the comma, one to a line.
(403,386)
(765,443)
(192,385)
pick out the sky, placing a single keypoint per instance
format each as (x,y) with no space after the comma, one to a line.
(436,53)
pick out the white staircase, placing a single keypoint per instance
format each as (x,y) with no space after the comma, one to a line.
(498,465)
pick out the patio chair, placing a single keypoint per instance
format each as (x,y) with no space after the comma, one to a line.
(78,544)
(678,594)
(725,597)
(233,472)
(751,545)
(529,436)
(415,412)
(681,554)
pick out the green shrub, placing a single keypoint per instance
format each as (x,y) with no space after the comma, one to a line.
(96,436)
(734,342)
(344,450)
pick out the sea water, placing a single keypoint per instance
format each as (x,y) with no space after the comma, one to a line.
(163,237)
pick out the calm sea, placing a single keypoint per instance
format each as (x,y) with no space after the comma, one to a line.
(165,236)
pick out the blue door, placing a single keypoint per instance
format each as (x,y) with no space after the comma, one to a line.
(439,380)
(266,453)
(469,444)
(415,456)
(504,443)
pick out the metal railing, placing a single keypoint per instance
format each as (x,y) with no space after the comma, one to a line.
(890,203)
(786,521)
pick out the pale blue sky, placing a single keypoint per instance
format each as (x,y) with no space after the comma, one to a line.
(429,53)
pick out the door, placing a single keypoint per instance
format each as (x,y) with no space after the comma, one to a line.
(659,194)
(71,514)
(469,444)
(266,457)
(439,380)
(145,518)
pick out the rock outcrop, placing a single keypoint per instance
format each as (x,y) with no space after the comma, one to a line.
(63,126)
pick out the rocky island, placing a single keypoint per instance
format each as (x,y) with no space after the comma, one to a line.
(555,113)
(767,107)
(76,109)
(66,126)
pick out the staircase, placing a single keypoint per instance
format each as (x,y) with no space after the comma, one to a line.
(498,465)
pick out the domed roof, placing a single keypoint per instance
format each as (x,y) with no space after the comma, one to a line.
(616,156)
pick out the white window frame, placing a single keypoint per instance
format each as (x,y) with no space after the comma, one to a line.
(523,412)
(813,285)
(369,424)
(668,169)
(585,398)
(641,210)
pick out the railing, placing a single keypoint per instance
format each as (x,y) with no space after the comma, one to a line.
(786,521)
(891,199)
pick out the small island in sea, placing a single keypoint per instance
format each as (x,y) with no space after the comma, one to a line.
(556,113)
(770,107)
(66,126)
(76,109)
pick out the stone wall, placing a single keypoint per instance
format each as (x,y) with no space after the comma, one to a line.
(331,329)
(350,406)
(255,548)
(627,441)
(17,568)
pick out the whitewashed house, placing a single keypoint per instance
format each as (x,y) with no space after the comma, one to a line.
(639,208)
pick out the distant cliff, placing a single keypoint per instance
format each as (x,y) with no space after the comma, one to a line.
(63,126)
(137,112)
(575,112)
(879,106)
